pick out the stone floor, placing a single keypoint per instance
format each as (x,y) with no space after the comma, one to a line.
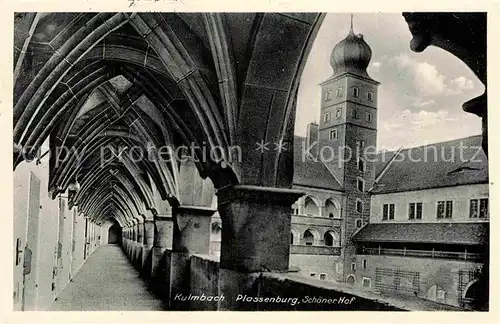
(107,282)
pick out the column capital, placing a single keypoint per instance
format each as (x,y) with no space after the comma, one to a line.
(278,196)
(165,217)
(194,210)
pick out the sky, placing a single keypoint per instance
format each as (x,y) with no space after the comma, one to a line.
(421,94)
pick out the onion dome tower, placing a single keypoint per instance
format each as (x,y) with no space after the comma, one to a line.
(348,129)
(352,55)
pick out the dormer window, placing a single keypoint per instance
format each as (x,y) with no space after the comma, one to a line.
(355,92)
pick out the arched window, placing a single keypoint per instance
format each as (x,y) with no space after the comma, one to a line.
(309,237)
(331,210)
(310,207)
(436,293)
(331,239)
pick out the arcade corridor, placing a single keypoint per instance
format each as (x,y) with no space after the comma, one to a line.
(148,122)
(107,282)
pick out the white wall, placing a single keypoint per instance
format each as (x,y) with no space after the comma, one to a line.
(44,259)
(460,196)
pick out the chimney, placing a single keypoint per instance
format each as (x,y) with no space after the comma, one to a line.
(312,137)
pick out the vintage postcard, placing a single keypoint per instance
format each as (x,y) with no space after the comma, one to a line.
(177,156)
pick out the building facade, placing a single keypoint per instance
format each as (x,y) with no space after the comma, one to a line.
(413,221)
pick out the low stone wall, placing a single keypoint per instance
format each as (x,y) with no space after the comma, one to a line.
(197,288)
(204,282)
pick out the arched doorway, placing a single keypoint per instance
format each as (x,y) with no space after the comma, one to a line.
(114,234)
(473,294)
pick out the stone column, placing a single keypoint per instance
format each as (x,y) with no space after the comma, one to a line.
(191,236)
(135,244)
(140,243)
(255,238)
(163,229)
(148,245)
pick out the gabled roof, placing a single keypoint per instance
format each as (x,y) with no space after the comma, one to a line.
(445,164)
(443,233)
(311,173)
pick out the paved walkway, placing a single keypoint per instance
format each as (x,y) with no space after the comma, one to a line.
(107,282)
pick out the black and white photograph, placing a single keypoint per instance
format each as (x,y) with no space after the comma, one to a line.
(249,161)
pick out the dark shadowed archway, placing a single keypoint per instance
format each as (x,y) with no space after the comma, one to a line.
(114,234)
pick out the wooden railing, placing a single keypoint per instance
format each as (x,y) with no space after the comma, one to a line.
(314,249)
(467,256)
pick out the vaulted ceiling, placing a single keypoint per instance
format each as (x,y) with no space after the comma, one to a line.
(109,88)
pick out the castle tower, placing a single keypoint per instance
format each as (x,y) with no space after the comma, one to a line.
(348,129)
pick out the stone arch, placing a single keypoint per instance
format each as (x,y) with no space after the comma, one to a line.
(350,280)
(331,238)
(436,293)
(467,289)
(311,205)
(311,236)
(332,208)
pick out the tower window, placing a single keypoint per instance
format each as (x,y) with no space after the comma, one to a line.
(359,223)
(326,117)
(328,95)
(334,134)
(388,211)
(359,206)
(361,185)
(339,113)
(361,164)
(370,96)
(339,92)
(415,211)
(364,264)
(369,117)
(354,114)
(355,92)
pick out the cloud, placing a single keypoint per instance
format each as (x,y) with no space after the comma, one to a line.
(375,66)
(409,129)
(427,79)
(419,103)
(460,84)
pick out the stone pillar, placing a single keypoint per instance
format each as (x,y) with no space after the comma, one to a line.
(255,238)
(148,228)
(163,230)
(134,230)
(192,226)
(140,232)
(140,243)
